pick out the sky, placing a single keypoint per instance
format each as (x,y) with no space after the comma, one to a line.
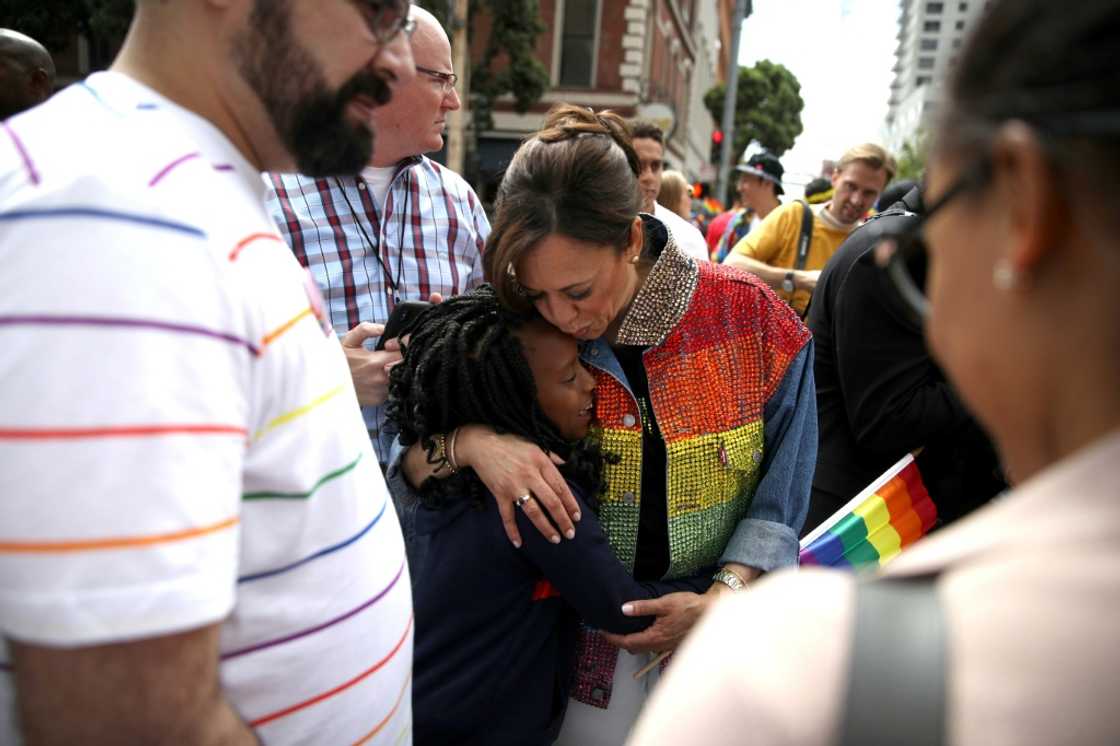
(842,52)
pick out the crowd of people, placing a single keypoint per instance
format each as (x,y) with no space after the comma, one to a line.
(240,508)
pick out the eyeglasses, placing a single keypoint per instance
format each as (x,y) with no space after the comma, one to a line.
(906,266)
(387,18)
(447,80)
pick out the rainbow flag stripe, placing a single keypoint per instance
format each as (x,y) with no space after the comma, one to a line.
(871,530)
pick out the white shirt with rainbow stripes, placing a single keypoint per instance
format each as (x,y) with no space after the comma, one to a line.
(180,443)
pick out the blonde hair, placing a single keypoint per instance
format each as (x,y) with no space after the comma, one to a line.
(873,155)
(673,186)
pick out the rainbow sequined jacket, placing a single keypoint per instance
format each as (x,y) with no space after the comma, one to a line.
(730,382)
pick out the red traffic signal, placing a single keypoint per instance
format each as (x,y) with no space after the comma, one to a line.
(717,137)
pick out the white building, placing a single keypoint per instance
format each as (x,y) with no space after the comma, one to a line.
(930,36)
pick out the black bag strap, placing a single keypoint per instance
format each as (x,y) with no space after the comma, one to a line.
(896,684)
(806,237)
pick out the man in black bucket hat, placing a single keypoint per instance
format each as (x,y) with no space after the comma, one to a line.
(760,184)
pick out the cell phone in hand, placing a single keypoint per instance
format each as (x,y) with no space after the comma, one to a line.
(402,320)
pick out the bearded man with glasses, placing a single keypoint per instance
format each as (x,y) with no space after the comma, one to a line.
(405,228)
(196,544)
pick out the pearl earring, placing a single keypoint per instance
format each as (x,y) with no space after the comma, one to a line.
(634,259)
(1004,276)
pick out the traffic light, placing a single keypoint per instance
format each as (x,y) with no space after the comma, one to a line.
(717,146)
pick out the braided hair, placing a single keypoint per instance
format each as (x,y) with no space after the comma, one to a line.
(463,365)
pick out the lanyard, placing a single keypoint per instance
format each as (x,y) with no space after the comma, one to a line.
(386,271)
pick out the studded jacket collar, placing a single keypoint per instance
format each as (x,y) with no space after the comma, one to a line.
(662,300)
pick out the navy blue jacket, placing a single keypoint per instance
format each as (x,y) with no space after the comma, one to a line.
(494,646)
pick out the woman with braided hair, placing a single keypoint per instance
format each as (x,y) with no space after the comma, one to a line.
(495,625)
(704,392)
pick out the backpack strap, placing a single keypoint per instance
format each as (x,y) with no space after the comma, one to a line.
(806,236)
(896,683)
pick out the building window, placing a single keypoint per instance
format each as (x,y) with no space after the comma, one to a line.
(577,43)
(929,45)
(932,26)
(960,25)
(934,8)
(925,63)
(956,43)
(963,7)
(922,80)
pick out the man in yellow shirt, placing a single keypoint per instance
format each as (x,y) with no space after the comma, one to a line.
(776,251)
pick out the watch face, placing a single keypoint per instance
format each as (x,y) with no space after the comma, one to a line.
(730,579)
(787,285)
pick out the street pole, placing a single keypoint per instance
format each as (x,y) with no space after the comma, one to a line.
(457,120)
(742,10)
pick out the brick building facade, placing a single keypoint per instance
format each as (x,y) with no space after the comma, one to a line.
(642,58)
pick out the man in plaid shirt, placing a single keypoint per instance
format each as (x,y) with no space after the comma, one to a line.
(406,228)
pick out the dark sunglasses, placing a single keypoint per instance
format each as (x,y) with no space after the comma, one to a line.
(906,266)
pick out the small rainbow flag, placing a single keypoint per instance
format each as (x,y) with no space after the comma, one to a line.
(878,523)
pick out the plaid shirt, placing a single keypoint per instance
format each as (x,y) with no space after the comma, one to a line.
(430,233)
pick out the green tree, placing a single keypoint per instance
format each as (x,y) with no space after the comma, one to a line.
(55,23)
(912,158)
(768,108)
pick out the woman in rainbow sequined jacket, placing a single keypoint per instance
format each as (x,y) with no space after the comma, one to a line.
(704,391)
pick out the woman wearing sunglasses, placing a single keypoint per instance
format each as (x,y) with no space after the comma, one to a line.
(1022,309)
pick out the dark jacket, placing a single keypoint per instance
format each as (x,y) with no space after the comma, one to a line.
(495,625)
(879,393)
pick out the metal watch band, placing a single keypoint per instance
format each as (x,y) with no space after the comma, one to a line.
(730,579)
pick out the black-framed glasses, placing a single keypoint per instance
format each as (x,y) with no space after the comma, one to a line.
(448,80)
(906,266)
(387,18)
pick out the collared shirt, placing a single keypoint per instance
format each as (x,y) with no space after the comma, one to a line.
(775,242)
(687,235)
(427,237)
(179,440)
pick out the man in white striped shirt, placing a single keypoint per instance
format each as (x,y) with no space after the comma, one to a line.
(196,542)
(406,228)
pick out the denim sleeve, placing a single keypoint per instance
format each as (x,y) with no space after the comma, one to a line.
(766,538)
(405,499)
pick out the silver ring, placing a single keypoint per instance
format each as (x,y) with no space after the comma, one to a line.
(522,499)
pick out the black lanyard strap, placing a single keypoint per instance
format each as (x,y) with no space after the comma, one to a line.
(386,271)
(806,236)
